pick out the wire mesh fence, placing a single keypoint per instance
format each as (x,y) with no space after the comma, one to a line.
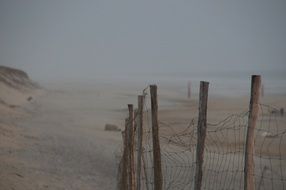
(224,153)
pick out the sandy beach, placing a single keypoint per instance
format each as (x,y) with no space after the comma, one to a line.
(58,140)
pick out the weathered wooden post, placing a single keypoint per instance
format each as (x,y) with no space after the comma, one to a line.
(131,145)
(127,157)
(201,134)
(189,89)
(139,139)
(249,179)
(123,167)
(158,178)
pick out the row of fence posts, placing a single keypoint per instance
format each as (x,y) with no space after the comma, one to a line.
(130,174)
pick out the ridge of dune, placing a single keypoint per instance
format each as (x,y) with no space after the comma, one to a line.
(16,78)
(16,88)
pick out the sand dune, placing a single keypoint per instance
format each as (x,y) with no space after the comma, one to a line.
(17,92)
(16,88)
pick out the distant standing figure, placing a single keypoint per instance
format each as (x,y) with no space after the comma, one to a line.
(262,90)
(189,89)
(282,111)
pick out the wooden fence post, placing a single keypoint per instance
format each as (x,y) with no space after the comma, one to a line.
(201,134)
(123,167)
(189,89)
(249,180)
(158,178)
(123,183)
(131,144)
(139,139)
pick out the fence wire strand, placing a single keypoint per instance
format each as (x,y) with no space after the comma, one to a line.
(223,166)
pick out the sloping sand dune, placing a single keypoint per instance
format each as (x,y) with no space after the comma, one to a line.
(16,88)
(17,92)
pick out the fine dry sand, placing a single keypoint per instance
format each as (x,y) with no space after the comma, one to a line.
(57,141)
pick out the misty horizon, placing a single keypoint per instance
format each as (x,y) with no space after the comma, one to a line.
(81,39)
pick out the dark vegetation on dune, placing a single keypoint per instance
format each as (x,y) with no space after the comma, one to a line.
(16,78)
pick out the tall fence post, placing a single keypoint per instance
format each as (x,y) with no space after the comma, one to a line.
(158,178)
(123,169)
(131,144)
(201,134)
(139,139)
(189,89)
(249,180)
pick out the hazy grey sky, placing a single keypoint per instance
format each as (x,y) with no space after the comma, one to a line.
(87,37)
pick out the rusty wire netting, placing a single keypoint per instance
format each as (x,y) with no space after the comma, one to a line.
(223,166)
